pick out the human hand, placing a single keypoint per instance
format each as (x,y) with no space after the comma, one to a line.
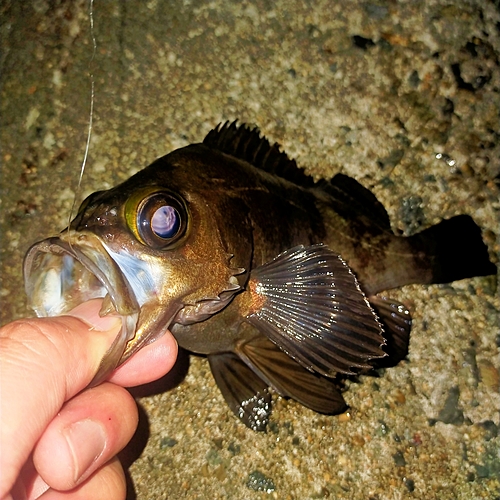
(57,438)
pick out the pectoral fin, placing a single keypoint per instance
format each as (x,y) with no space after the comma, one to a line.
(292,380)
(244,391)
(308,302)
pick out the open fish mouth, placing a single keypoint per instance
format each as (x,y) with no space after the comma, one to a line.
(62,272)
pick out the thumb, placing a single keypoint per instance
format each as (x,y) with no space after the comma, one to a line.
(45,362)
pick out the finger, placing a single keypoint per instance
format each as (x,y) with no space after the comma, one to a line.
(29,484)
(108,483)
(44,363)
(150,363)
(88,431)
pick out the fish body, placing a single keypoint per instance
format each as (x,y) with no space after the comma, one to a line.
(248,260)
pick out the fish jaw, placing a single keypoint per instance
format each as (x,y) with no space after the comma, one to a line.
(62,272)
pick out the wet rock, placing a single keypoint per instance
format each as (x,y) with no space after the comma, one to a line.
(409,483)
(490,466)
(399,459)
(382,429)
(167,442)
(213,457)
(414,79)
(490,428)
(259,482)
(411,214)
(451,413)
(470,359)
(489,374)
(375,11)
(392,159)
(220,472)
(234,448)
(218,443)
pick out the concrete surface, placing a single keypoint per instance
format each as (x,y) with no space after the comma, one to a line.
(404,96)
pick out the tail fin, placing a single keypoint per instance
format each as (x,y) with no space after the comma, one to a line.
(455,250)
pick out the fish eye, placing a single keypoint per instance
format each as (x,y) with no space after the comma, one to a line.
(161,220)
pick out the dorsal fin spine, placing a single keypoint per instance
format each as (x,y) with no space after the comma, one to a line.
(247,144)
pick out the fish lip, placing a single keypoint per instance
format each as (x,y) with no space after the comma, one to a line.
(87,250)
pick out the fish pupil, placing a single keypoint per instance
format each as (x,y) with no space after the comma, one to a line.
(165,222)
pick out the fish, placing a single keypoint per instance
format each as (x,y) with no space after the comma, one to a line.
(275,277)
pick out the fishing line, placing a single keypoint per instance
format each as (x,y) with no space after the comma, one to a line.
(91,114)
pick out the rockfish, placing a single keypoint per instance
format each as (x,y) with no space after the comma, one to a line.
(248,260)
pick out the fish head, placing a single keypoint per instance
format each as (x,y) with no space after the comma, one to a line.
(160,248)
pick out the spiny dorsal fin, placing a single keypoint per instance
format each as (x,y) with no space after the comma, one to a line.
(349,197)
(247,144)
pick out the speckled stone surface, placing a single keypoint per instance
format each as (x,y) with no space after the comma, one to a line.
(404,96)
